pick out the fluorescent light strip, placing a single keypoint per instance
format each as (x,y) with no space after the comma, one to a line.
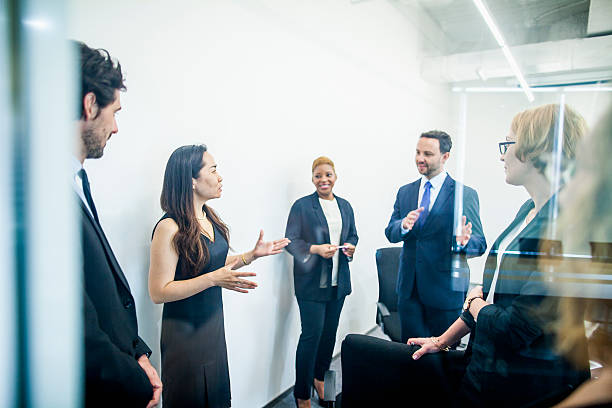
(493,89)
(484,12)
(517,73)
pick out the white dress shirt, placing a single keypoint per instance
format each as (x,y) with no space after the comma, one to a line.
(334,224)
(77,182)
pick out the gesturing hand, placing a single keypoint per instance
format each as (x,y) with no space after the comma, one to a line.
(325,250)
(227,278)
(411,218)
(269,248)
(466,232)
(156,383)
(427,346)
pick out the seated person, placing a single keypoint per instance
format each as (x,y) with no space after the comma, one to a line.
(511,359)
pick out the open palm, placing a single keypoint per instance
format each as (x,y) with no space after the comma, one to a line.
(263,248)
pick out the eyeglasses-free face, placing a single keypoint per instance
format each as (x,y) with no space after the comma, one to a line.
(503,146)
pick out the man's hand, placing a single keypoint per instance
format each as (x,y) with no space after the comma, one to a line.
(411,218)
(466,232)
(149,370)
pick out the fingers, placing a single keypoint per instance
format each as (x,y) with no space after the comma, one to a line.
(236,289)
(417,354)
(280,244)
(242,274)
(260,236)
(156,395)
(243,283)
(420,210)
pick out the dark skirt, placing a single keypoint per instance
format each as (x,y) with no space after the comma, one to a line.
(194,363)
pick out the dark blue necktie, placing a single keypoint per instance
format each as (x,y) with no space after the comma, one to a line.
(425,205)
(87,193)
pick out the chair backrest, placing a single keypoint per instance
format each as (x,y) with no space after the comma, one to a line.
(387,264)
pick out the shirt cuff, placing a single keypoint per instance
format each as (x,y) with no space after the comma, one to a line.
(468,319)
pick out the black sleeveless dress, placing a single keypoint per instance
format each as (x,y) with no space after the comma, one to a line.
(194,355)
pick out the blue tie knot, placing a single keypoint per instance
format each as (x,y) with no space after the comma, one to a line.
(427,185)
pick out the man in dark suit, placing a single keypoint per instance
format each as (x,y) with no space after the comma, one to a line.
(433,272)
(118,372)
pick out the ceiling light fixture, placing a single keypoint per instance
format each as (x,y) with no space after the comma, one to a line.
(484,12)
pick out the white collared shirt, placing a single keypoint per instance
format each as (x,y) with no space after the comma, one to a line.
(77,182)
(436,186)
(331,210)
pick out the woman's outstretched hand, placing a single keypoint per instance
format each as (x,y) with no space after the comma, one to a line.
(427,346)
(263,248)
(227,278)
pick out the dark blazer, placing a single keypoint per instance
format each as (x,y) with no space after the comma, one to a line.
(113,376)
(307,226)
(511,345)
(426,257)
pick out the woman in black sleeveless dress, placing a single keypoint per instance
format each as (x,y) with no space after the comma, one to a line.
(189,266)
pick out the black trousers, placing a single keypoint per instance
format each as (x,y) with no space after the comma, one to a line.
(419,320)
(316,344)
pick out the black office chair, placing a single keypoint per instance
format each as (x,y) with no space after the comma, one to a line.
(387,316)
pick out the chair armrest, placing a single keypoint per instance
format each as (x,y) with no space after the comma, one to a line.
(382,309)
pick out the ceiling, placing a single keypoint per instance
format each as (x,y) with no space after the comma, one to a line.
(520,21)
(553,41)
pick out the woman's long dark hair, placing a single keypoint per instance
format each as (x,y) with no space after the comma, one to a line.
(176,199)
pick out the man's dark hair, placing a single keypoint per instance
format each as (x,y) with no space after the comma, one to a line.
(443,138)
(99,74)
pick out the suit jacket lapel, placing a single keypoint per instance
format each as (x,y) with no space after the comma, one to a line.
(345,220)
(107,249)
(413,195)
(490,270)
(316,207)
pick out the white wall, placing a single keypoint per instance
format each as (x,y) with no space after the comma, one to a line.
(268,86)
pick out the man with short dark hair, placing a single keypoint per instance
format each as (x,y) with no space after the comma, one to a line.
(433,273)
(118,372)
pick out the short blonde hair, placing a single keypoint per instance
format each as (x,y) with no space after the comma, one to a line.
(322,160)
(535,133)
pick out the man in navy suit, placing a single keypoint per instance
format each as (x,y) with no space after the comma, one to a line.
(118,372)
(433,273)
